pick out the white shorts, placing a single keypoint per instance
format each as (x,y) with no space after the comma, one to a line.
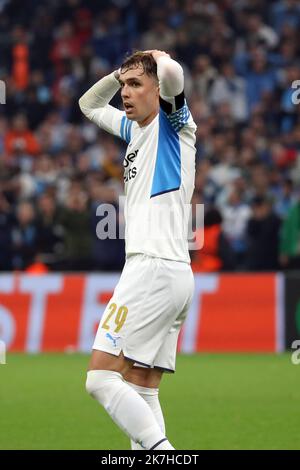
(144,316)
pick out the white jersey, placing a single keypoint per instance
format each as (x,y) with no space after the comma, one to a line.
(159,174)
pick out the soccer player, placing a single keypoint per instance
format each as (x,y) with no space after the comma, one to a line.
(137,335)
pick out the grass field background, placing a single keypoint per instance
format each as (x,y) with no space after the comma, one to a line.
(212,402)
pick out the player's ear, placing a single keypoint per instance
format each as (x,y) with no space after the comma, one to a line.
(156,83)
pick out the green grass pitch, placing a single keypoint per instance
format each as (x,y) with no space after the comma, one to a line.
(213,401)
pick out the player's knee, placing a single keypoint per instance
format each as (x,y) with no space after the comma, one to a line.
(91,384)
(100,383)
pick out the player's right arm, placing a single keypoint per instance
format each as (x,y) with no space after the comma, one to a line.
(95,106)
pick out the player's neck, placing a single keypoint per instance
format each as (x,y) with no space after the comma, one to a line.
(148,119)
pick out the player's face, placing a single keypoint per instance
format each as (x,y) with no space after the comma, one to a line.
(140,95)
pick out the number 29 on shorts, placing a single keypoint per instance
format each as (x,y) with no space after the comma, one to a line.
(120,317)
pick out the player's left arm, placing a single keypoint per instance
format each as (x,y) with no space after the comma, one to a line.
(171,89)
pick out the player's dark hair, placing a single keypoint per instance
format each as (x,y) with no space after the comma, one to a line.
(140,58)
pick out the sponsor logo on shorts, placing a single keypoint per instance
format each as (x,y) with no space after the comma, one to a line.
(114,339)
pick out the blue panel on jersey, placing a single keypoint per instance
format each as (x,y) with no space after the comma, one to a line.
(128,131)
(125,130)
(167,173)
(122,127)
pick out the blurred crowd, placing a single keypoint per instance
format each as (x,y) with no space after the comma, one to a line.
(240,58)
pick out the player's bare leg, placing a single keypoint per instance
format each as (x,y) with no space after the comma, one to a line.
(105,383)
(146,383)
(104,361)
(143,377)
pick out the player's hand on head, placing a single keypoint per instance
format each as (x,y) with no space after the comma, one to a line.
(117,73)
(156,54)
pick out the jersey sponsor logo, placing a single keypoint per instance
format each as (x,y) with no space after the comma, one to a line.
(130,158)
(130,172)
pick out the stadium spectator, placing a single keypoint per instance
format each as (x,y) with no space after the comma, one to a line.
(258,32)
(50,240)
(236,214)
(76,222)
(285,12)
(216,254)
(24,236)
(285,198)
(230,89)
(6,224)
(204,76)
(108,253)
(290,239)
(160,36)
(260,79)
(262,237)
(20,54)
(19,140)
(65,46)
